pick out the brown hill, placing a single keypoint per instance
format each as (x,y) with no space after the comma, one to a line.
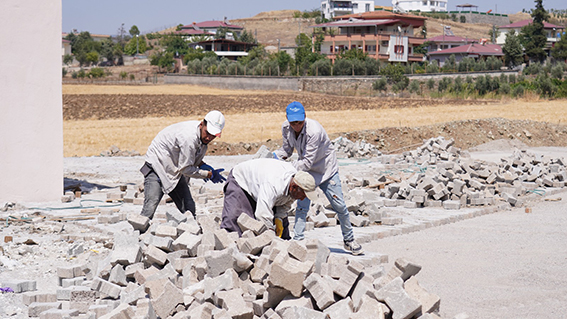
(273,25)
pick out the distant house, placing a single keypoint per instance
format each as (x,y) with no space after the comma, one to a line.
(473,50)
(442,42)
(420,5)
(224,48)
(65,47)
(551,31)
(210,29)
(383,35)
(333,8)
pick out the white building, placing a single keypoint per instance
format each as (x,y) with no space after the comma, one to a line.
(420,5)
(333,8)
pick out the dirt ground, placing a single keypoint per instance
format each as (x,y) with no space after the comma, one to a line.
(95,122)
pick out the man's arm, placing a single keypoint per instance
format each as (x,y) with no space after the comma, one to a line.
(310,155)
(264,204)
(287,149)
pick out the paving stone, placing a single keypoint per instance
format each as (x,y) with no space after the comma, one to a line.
(58,314)
(320,290)
(246,222)
(35,308)
(340,309)
(429,302)
(289,274)
(19,285)
(36,296)
(155,255)
(402,306)
(301,312)
(168,300)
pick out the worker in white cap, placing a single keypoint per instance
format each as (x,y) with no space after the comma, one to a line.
(264,189)
(174,156)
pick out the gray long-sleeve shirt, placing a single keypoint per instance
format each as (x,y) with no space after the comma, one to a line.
(316,154)
(177,150)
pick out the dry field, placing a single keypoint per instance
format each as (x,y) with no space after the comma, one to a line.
(256,117)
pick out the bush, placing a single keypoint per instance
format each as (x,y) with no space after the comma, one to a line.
(132,77)
(444,84)
(505,89)
(343,67)
(96,73)
(458,85)
(380,84)
(372,66)
(81,74)
(503,78)
(74,75)
(430,84)
(64,72)
(414,86)
(321,67)
(545,86)
(123,75)
(432,67)
(557,72)
(401,85)
(481,86)
(512,78)
(533,69)
(518,91)
(463,19)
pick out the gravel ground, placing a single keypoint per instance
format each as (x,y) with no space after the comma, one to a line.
(508,264)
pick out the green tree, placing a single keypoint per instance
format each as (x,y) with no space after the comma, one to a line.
(67,59)
(284,61)
(247,37)
(92,57)
(136,44)
(533,35)
(164,60)
(512,49)
(134,31)
(559,51)
(221,33)
(174,43)
(353,54)
(493,33)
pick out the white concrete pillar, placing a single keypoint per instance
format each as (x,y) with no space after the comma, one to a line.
(31,120)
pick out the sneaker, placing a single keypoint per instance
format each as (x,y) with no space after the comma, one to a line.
(353,247)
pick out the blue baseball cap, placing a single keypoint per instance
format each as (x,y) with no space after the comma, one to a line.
(295,112)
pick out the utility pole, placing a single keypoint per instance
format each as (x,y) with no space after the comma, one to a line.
(137,45)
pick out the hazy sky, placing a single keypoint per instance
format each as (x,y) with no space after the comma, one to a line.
(106,16)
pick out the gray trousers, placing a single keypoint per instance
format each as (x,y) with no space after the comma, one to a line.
(181,195)
(237,201)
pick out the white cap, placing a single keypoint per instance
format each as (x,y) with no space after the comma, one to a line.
(307,184)
(215,122)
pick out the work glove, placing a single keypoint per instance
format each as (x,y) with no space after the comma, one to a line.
(217,177)
(275,156)
(206,167)
(279,226)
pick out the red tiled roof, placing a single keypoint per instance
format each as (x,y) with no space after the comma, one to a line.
(523,23)
(451,38)
(193,32)
(212,24)
(473,49)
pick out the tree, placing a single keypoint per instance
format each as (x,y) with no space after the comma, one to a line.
(135,45)
(120,36)
(559,51)
(134,31)
(493,33)
(221,33)
(247,37)
(107,50)
(92,57)
(533,35)
(174,43)
(67,59)
(164,60)
(353,54)
(512,49)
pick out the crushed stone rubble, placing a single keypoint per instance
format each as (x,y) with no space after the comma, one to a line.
(111,262)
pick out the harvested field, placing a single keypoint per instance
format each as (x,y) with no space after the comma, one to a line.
(130,116)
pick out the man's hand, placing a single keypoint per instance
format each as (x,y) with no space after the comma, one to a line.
(279,226)
(206,167)
(217,177)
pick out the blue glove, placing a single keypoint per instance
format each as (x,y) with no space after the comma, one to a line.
(217,177)
(275,156)
(206,167)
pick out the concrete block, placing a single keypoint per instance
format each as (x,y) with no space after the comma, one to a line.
(319,220)
(234,303)
(407,268)
(348,278)
(164,230)
(289,274)
(69,272)
(301,312)
(118,276)
(187,241)
(58,314)
(35,308)
(165,303)
(19,286)
(138,221)
(163,243)
(207,223)
(429,302)
(246,222)
(126,250)
(320,290)
(317,252)
(218,261)
(227,281)
(155,255)
(131,269)
(175,215)
(297,250)
(35,296)
(123,311)
(402,306)
(452,204)
(223,240)
(203,311)
(370,308)
(304,301)
(99,310)
(255,245)
(260,270)
(106,288)
(340,309)
(190,226)
(132,294)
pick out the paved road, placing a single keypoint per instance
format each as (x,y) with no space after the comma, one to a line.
(508,264)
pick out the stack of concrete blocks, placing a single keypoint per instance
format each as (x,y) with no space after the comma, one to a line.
(184,267)
(359,149)
(445,176)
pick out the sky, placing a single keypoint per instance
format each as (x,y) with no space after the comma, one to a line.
(106,16)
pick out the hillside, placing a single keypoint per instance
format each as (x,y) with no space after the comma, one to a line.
(273,25)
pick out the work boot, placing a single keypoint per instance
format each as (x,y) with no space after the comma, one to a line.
(353,247)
